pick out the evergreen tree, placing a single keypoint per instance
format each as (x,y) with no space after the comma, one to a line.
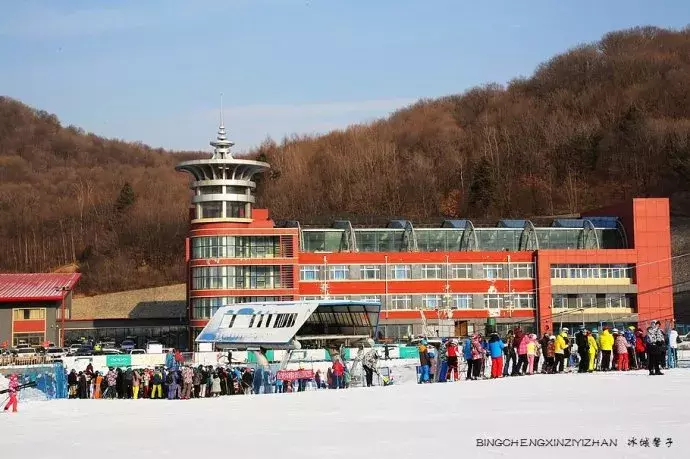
(125,199)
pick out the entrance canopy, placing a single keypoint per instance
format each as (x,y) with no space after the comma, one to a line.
(282,324)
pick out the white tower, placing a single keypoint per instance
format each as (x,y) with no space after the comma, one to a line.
(223,186)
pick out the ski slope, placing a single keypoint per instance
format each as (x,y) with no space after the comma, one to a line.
(401,421)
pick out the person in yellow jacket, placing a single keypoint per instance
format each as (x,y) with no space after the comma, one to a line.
(593,349)
(559,349)
(606,345)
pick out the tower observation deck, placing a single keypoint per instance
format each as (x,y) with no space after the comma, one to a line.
(223,186)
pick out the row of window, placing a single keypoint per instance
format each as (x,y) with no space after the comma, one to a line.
(427,271)
(439,301)
(283,320)
(32,339)
(29,314)
(205,308)
(214,209)
(232,277)
(591,271)
(235,247)
(593,301)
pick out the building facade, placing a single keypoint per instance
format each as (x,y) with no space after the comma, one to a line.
(611,266)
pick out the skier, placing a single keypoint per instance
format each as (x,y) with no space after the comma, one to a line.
(606,346)
(655,347)
(520,345)
(13,388)
(621,345)
(496,347)
(452,359)
(582,349)
(157,384)
(338,373)
(640,349)
(467,355)
(630,338)
(532,352)
(672,348)
(424,361)
(187,380)
(550,362)
(593,349)
(369,363)
(478,354)
(111,377)
(559,351)
(509,352)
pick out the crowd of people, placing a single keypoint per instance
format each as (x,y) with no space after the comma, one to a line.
(520,353)
(184,381)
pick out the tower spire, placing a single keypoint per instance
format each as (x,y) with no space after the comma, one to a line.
(222,123)
(221,146)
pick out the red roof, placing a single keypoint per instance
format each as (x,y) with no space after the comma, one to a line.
(36,287)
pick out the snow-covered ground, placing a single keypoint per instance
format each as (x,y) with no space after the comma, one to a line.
(400,421)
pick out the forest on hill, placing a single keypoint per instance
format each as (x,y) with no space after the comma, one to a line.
(601,123)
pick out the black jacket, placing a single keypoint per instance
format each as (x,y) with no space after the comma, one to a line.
(581,341)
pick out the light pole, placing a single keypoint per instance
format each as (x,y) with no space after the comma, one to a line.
(324,284)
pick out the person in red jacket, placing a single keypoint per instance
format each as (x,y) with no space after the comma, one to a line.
(338,372)
(640,349)
(12,390)
(452,355)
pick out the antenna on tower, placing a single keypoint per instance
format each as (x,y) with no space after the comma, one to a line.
(222,124)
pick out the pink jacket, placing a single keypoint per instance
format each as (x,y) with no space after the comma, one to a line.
(621,344)
(522,348)
(477,351)
(13,385)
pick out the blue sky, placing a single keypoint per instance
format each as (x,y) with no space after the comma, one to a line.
(152,70)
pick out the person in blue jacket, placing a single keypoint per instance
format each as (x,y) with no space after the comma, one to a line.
(467,354)
(496,346)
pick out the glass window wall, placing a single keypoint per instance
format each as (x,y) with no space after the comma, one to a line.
(235,277)
(235,247)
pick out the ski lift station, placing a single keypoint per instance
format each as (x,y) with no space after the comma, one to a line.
(288,325)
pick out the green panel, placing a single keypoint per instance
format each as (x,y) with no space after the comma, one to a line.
(346,353)
(328,355)
(270,355)
(118,360)
(251,358)
(409,352)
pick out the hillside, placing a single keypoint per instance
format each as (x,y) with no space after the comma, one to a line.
(118,209)
(598,124)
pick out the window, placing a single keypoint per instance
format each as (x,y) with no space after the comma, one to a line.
(372,298)
(371,272)
(58,313)
(398,332)
(235,247)
(522,301)
(309,273)
(338,272)
(432,301)
(591,272)
(523,270)
(401,302)
(285,320)
(399,272)
(232,277)
(211,209)
(559,301)
(493,301)
(431,271)
(32,339)
(462,301)
(30,314)
(493,271)
(463,271)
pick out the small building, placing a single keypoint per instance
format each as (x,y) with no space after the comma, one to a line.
(33,307)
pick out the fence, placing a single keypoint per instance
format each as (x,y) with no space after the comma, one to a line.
(50,378)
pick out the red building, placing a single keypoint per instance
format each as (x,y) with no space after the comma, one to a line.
(612,266)
(34,307)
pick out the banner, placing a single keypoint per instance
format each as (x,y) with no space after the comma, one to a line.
(291,375)
(118,360)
